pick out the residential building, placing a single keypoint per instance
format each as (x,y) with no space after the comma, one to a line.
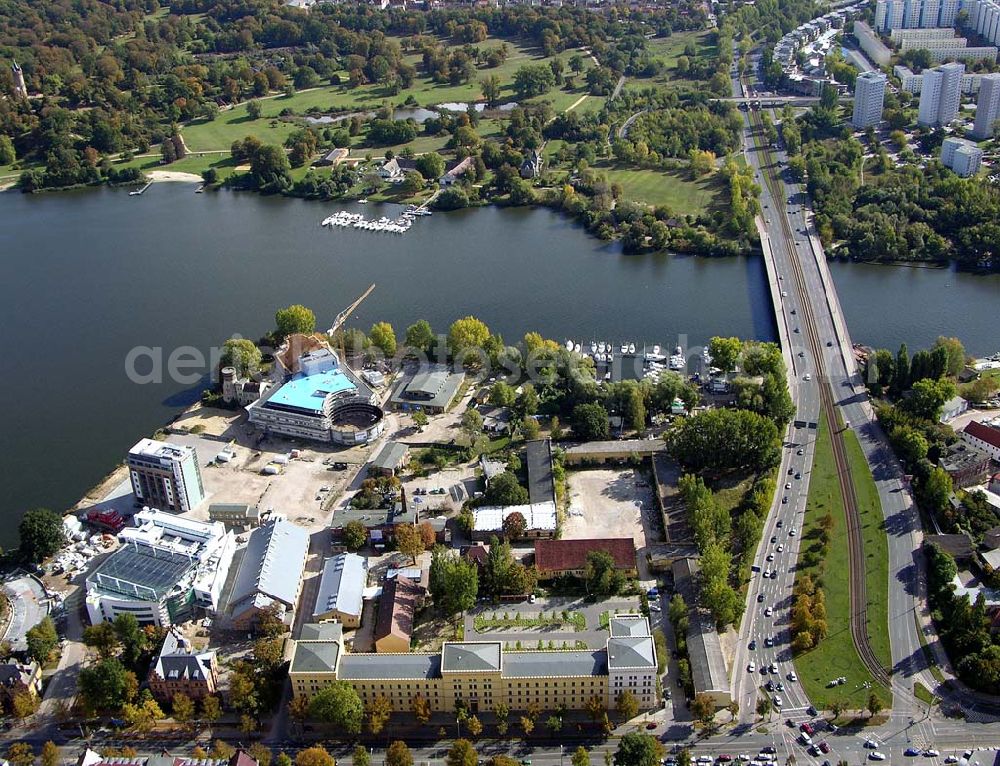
(394,170)
(18,678)
(390,459)
(962,156)
(167,569)
(482,675)
(913,83)
(984,436)
(987,106)
(270,574)
(235,516)
(909,14)
(180,669)
(532,165)
(539,520)
(965,463)
(953,408)
(900,35)
(397,608)
(321,401)
(340,590)
(455,170)
(964,54)
(870,43)
(165,476)
(92,758)
(940,95)
(709,674)
(611,451)
(429,388)
(496,420)
(869,94)
(554,558)
(984,18)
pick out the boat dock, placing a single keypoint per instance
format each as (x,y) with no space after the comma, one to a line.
(649,361)
(137,192)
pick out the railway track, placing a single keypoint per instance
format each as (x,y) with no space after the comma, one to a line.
(858,582)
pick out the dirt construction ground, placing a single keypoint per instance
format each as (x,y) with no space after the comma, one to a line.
(610,502)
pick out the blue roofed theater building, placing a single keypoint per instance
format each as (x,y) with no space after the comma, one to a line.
(323,401)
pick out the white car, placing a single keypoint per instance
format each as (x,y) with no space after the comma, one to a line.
(768,612)
(792,532)
(780,548)
(788,485)
(792,677)
(703,759)
(778,702)
(931,753)
(807,376)
(875,755)
(752,668)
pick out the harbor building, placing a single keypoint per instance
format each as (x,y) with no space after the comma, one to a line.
(940,94)
(168,569)
(429,389)
(165,476)
(180,669)
(869,95)
(340,590)
(270,574)
(483,674)
(321,401)
(962,156)
(987,106)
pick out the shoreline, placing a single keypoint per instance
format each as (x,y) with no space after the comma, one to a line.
(173,176)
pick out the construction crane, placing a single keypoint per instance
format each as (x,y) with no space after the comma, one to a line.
(338,322)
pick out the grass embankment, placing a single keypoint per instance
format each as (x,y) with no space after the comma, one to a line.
(836,656)
(673,189)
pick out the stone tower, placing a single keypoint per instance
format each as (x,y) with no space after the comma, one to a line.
(20,89)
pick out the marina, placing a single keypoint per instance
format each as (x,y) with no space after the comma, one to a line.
(647,362)
(400,225)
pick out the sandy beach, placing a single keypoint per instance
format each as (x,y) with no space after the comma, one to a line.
(170,175)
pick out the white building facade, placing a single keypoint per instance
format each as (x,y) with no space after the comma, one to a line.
(987,106)
(940,94)
(869,95)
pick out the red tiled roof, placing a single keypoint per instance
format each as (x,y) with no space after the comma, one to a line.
(984,433)
(397,607)
(565,555)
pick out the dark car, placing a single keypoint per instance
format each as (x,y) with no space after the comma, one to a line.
(812,711)
(760,598)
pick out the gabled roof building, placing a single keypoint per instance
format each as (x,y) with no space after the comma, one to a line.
(340,590)
(179,668)
(270,574)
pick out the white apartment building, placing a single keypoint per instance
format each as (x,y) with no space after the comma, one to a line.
(987,106)
(869,95)
(962,156)
(915,14)
(940,94)
(165,476)
(984,18)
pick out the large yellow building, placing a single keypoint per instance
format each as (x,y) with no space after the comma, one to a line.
(481,674)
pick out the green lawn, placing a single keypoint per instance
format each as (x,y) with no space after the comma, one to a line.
(669,49)
(673,189)
(232,124)
(835,656)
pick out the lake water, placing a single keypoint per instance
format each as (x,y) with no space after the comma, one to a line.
(89,276)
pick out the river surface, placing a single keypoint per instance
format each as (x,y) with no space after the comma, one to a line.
(90,276)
